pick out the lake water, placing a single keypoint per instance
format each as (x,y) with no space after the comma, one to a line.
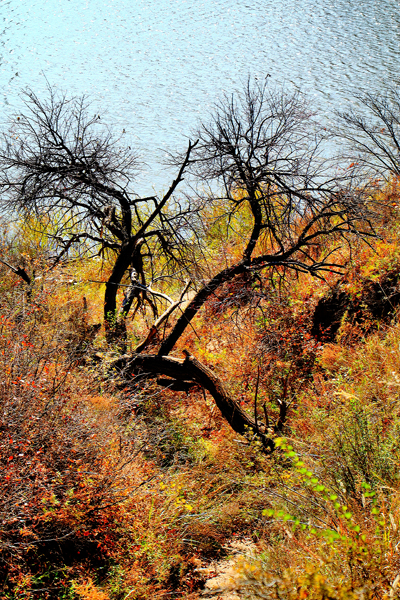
(156,66)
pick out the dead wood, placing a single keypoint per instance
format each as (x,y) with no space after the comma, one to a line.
(191,369)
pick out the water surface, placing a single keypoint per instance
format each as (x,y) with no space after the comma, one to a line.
(156,66)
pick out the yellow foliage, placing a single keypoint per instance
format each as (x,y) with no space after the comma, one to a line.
(332,357)
(88,591)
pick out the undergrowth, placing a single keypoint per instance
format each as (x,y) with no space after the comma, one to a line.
(114,490)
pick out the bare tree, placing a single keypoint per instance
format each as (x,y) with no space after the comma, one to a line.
(263,151)
(58,160)
(266,151)
(372,131)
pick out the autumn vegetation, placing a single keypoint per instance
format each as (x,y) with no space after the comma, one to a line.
(218,362)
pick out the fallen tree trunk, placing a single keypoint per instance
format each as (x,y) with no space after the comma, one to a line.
(193,370)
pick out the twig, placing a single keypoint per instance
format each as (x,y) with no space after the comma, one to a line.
(162,318)
(255,399)
(266,415)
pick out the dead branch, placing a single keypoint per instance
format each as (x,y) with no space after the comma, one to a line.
(193,370)
(156,325)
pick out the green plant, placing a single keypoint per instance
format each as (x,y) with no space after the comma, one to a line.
(335,551)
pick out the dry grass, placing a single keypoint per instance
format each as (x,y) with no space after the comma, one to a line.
(110,493)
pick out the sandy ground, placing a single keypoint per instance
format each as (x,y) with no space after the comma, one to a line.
(221,573)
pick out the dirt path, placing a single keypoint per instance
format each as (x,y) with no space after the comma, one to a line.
(221,574)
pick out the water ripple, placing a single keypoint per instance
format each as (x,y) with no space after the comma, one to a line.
(157,65)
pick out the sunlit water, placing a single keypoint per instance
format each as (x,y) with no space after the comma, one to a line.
(156,66)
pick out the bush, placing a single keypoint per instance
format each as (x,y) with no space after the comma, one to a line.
(63,466)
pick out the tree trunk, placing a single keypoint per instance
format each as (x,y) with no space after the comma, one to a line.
(200,298)
(114,328)
(192,369)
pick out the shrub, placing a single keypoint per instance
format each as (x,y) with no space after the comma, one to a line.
(63,466)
